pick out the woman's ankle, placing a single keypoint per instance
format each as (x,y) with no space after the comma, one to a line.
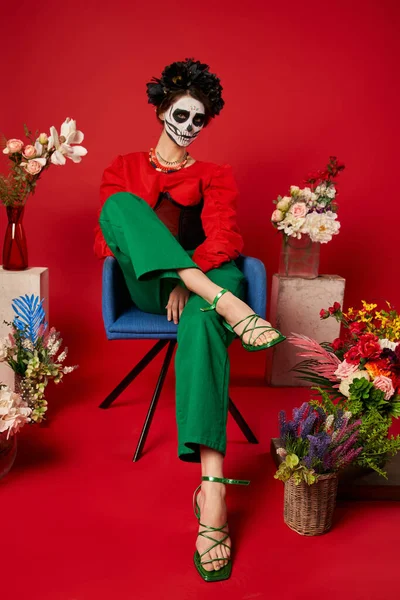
(212,488)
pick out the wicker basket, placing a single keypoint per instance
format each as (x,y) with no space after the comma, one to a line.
(309,509)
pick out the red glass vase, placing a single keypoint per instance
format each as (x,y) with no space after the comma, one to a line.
(15,251)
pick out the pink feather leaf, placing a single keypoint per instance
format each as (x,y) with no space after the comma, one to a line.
(325,363)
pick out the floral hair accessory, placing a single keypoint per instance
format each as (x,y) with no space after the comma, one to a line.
(183,76)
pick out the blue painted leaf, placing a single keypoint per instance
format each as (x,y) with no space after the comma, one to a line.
(30,315)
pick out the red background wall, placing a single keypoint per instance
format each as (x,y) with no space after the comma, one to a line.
(301,80)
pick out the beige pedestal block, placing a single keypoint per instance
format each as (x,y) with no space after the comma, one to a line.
(295,306)
(18,283)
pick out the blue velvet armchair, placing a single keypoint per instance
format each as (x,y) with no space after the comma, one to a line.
(123,320)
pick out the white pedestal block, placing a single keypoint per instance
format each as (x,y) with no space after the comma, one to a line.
(295,307)
(18,283)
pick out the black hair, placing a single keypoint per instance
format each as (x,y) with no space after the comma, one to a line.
(188,77)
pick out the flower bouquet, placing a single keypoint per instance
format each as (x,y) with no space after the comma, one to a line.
(34,354)
(320,440)
(14,413)
(27,163)
(307,217)
(360,371)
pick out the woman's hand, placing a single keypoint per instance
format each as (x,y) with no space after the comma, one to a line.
(176,303)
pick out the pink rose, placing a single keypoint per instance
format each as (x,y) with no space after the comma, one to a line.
(33,167)
(385,385)
(12,146)
(277,216)
(29,151)
(345,369)
(299,209)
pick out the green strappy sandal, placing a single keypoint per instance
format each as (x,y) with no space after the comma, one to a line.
(250,326)
(225,572)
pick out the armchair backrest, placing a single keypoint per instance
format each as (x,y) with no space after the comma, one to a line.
(116,298)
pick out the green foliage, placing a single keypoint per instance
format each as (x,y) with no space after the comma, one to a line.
(35,364)
(291,467)
(296,446)
(18,184)
(377,446)
(325,401)
(373,436)
(370,397)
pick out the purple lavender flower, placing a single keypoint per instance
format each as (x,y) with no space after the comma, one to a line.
(300,413)
(307,425)
(348,458)
(291,428)
(319,444)
(282,423)
(338,421)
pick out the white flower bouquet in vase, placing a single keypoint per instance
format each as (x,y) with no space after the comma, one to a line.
(307,218)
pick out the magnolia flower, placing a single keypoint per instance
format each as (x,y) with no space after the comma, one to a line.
(344,387)
(384,384)
(321,226)
(62,144)
(387,344)
(13,146)
(345,369)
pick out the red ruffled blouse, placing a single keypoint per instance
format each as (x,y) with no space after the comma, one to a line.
(203,188)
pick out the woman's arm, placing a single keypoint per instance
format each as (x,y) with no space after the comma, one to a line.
(113,181)
(223,240)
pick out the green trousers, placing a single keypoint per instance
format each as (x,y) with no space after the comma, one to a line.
(149,256)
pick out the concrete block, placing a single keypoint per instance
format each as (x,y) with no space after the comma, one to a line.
(34,280)
(294,308)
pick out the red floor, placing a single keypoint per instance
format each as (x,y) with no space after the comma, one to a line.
(81,522)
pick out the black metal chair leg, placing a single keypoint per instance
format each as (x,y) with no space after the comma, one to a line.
(249,435)
(134,373)
(153,404)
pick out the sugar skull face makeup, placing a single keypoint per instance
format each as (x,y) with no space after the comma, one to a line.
(184,120)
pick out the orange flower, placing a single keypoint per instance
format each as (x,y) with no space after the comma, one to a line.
(377,367)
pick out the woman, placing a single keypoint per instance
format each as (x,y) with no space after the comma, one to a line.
(170,221)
